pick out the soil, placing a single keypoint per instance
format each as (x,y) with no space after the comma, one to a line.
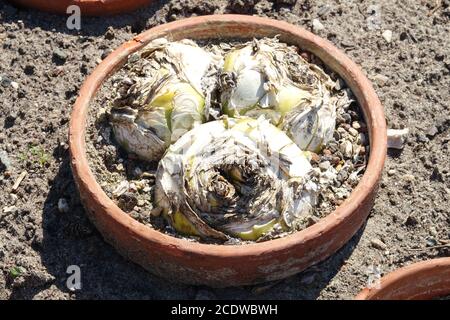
(43,64)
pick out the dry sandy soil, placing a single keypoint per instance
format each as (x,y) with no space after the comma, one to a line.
(43,64)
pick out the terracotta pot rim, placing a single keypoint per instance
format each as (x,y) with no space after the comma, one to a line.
(421,275)
(87,7)
(347,214)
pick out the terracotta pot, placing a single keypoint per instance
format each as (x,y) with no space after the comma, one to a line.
(423,280)
(219,265)
(88,7)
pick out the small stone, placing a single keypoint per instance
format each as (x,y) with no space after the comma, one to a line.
(317,25)
(9,209)
(396,138)
(315,158)
(326,152)
(5,81)
(109,35)
(353,132)
(14,85)
(387,35)
(140,203)
(340,84)
(346,148)
(335,160)
(391,172)
(422,138)
(324,165)
(432,131)
(63,206)
(342,194)
(356,125)
(431,242)
(399,236)
(13,197)
(377,244)
(433,231)
(380,79)
(5,162)
(408,178)
(121,188)
(323,10)
(59,55)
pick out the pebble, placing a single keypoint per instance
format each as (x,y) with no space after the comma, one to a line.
(432,131)
(346,148)
(377,244)
(340,84)
(63,206)
(342,194)
(353,131)
(387,35)
(140,203)
(121,188)
(109,35)
(4,160)
(317,25)
(9,209)
(396,138)
(380,79)
(14,85)
(433,231)
(324,165)
(13,198)
(363,139)
(315,158)
(60,55)
(399,236)
(323,10)
(408,178)
(391,172)
(356,125)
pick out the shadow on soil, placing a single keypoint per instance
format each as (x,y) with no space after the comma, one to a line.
(70,239)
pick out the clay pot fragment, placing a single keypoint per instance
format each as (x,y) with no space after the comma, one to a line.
(419,281)
(230,265)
